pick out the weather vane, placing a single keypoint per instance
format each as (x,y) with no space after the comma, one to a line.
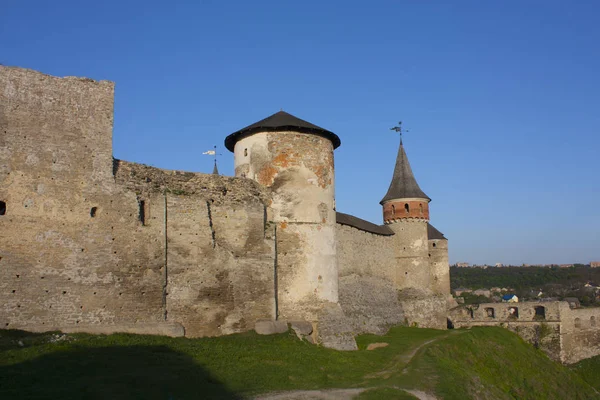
(399,130)
(214,153)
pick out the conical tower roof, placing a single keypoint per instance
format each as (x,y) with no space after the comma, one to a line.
(215,169)
(281,121)
(403,185)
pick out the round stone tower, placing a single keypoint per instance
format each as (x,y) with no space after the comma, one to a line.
(294,158)
(406,212)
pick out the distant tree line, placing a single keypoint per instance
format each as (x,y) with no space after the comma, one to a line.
(528,282)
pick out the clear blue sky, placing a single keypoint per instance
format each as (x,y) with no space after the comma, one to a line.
(502,99)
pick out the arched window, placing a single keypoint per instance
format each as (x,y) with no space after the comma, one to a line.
(2,208)
(245,152)
(407,207)
(421,208)
(393,210)
(93,211)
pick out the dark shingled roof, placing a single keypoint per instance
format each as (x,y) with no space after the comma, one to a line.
(350,220)
(281,121)
(433,233)
(404,184)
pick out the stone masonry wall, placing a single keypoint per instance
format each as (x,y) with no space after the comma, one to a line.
(220,250)
(440,268)
(580,333)
(543,331)
(368,295)
(364,253)
(73,250)
(93,245)
(412,258)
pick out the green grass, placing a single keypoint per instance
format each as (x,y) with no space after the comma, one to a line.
(589,370)
(454,364)
(492,363)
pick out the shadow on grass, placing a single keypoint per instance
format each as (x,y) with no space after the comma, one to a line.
(119,372)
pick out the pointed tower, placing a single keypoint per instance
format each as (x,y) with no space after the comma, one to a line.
(406,212)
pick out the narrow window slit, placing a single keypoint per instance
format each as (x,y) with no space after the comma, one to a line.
(142,211)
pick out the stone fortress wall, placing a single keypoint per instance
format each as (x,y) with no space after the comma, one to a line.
(566,334)
(93,244)
(89,244)
(372,270)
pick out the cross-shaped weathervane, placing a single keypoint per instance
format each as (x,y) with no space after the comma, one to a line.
(399,130)
(214,154)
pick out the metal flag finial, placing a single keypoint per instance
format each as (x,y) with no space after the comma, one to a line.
(214,154)
(398,129)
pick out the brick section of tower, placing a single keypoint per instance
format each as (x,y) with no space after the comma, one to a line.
(401,209)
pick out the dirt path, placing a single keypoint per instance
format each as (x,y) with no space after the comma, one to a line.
(406,358)
(348,394)
(331,394)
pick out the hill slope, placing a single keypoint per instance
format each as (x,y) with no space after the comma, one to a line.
(478,363)
(589,370)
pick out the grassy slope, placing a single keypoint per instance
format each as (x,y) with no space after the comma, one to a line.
(491,363)
(454,364)
(589,370)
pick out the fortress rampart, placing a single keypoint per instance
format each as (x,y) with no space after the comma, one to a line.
(94,244)
(566,334)
(88,243)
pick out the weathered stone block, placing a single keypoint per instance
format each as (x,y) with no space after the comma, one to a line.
(267,327)
(302,327)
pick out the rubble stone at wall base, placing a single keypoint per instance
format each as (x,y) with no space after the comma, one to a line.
(422,310)
(370,304)
(303,330)
(268,327)
(334,330)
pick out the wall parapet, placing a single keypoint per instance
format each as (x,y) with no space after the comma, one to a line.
(145,178)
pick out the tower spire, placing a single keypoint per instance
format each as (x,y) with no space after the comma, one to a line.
(403,185)
(404,198)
